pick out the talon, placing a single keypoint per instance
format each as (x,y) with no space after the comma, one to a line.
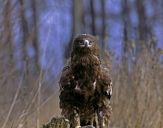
(78,127)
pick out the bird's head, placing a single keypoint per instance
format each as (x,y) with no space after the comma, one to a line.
(84,44)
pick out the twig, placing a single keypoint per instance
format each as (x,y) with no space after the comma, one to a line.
(13,103)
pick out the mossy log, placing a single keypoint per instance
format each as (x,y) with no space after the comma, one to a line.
(61,123)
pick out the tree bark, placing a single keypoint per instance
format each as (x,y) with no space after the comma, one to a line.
(125,14)
(25,36)
(35,34)
(7,34)
(93,16)
(76,25)
(104,25)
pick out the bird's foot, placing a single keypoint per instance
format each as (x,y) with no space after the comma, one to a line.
(78,127)
(88,126)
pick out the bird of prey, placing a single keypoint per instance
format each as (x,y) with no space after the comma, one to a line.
(85,85)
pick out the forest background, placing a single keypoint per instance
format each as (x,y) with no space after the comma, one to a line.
(35,42)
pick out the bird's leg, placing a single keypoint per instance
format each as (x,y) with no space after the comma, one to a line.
(100,117)
(75,120)
(92,121)
(103,115)
(96,121)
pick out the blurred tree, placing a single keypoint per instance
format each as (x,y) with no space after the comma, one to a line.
(35,33)
(25,36)
(7,33)
(84,20)
(144,28)
(77,15)
(125,41)
(104,25)
(93,17)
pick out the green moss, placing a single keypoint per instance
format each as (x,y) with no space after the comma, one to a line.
(57,123)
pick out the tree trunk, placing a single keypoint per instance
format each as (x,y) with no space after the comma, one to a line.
(7,35)
(104,25)
(125,14)
(25,35)
(35,34)
(144,31)
(76,25)
(93,26)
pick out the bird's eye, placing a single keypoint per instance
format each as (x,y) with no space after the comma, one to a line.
(90,42)
(81,43)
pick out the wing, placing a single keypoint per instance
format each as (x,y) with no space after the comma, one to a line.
(69,95)
(105,83)
(66,78)
(66,87)
(104,93)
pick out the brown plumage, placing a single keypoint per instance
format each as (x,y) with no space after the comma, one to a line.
(85,85)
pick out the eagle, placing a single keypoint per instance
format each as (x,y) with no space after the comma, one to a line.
(85,85)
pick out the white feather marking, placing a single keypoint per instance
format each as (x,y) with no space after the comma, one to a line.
(82,45)
(111,91)
(77,87)
(101,114)
(94,85)
(96,57)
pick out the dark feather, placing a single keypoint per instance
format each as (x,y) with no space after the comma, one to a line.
(85,85)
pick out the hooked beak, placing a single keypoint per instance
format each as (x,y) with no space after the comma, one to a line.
(86,43)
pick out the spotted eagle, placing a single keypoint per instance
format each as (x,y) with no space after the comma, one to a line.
(85,85)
